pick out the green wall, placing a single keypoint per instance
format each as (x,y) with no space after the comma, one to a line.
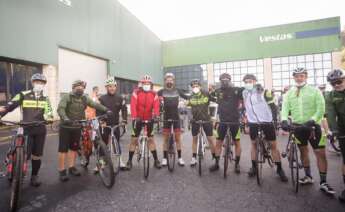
(246,44)
(32,30)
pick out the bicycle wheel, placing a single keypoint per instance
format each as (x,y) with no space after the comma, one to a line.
(294,166)
(146,158)
(115,155)
(16,184)
(335,144)
(86,151)
(104,164)
(226,155)
(259,160)
(171,154)
(200,154)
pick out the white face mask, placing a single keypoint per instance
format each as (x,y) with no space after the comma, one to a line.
(249,86)
(301,84)
(196,90)
(37,88)
(146,87)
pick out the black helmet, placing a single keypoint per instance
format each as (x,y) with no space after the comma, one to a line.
(195,82)
(224,76)
(78,83)
(38,77)
(249,76)
(335,75)
(299,71)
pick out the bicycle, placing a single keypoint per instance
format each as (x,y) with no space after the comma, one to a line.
(171,145)
(16,159)
(55,126)
(102,155)
(114,145)
(143,148)
(229,146)
(291,152)
(201,143)
(334,142)
(263,152)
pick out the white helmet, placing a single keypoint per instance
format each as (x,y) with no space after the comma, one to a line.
(110,81)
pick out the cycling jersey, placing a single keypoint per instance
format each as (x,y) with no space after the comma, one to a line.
(114,103)
(33,108)
(228,100)
(171,99)
(144,104)
(306,103)
(335,102)
(199,103)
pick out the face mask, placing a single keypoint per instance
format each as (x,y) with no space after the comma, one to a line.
(169,85)
(249,86)
(196,90)
(225,83)
(79,92)
(300,84)
(146,87)
(38,88)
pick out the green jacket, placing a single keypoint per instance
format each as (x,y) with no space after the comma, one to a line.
(308,105)
(72,107)
(335,105)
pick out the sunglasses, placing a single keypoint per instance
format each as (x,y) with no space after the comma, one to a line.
(337,82)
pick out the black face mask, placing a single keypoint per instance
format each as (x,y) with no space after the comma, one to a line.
(225,84)
(169,85)
(79,92)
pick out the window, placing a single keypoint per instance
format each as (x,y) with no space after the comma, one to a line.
(184,74)
(237,70)
(318,66)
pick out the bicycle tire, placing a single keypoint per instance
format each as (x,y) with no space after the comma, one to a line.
(333,143)
(200,154)
(259,161)
(104,164)
(146,159)
(171,154)
(16,184)
(115,156)
(294,166)
(226,155)
(86,151)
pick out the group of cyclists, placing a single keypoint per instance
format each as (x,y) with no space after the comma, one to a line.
(303,104)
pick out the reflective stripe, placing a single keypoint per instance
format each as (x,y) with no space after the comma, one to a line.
(199,100)
(238,134)
(34,104)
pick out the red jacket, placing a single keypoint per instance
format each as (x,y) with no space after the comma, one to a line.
(144,104)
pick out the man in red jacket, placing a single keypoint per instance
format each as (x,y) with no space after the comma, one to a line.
(144,107)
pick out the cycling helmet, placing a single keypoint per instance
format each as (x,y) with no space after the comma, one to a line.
(110,81)
(146,79)
(79,83)
(38,77)
(167,75)
(195,82)
(249,76)
(299,71)
(335,75)
(224,76)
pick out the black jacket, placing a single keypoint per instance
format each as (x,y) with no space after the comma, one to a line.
(115,103)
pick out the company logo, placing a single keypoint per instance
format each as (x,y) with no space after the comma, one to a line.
(277,37)
(66,2)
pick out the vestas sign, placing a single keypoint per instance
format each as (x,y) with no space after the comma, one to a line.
(300,34)
(277,37)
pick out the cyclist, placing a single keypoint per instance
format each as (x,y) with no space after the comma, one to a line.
(170,97)
(228,99)
(115,103)
(35,107)
(70,109)
(199,102)
(258,111)
(307,106)
(144,106)
(335,103)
